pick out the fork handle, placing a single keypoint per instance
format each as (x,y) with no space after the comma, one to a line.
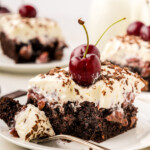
(75,139)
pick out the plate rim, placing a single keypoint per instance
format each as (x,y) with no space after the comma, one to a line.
(28,68)
(30,145)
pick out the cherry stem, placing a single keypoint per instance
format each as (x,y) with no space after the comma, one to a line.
(87,36)
(108,29)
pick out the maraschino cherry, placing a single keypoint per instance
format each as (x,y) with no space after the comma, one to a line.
(145,33)
(27,11)
(85,65)
(134,28)
(4,10)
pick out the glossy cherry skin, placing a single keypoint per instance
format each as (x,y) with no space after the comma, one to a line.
(80,50)
(145,33)
(134,28)
(85,71)
(27,11)
(4,10)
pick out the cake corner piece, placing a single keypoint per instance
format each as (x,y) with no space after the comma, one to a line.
(37,40)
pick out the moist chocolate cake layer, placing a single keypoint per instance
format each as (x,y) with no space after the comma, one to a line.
(8,109)
(34,51)
(88,121)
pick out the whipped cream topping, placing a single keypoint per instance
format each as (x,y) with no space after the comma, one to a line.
(111,90)
(31,123)
(122,48)
(24,29)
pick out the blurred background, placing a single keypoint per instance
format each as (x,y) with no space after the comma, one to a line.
(97,14)
(65,12)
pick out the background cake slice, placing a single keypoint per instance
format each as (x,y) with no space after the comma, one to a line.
(131,50)
(25,39)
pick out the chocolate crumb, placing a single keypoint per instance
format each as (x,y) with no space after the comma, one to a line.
(77,91)
(104,92)
(35,128)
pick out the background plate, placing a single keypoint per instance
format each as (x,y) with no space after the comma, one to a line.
(134,139)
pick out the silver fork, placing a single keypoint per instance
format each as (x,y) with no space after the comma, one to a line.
(92,145)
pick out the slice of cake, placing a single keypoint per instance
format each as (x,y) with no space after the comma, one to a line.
(89,99)
(96,112)
(26,122)
(25,39)
(130,51)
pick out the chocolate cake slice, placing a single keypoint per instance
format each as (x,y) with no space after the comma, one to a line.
(130,51)
(27,40)
(96,112)
(58,105)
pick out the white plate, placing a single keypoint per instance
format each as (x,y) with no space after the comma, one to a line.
(7,64)
(136,138)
